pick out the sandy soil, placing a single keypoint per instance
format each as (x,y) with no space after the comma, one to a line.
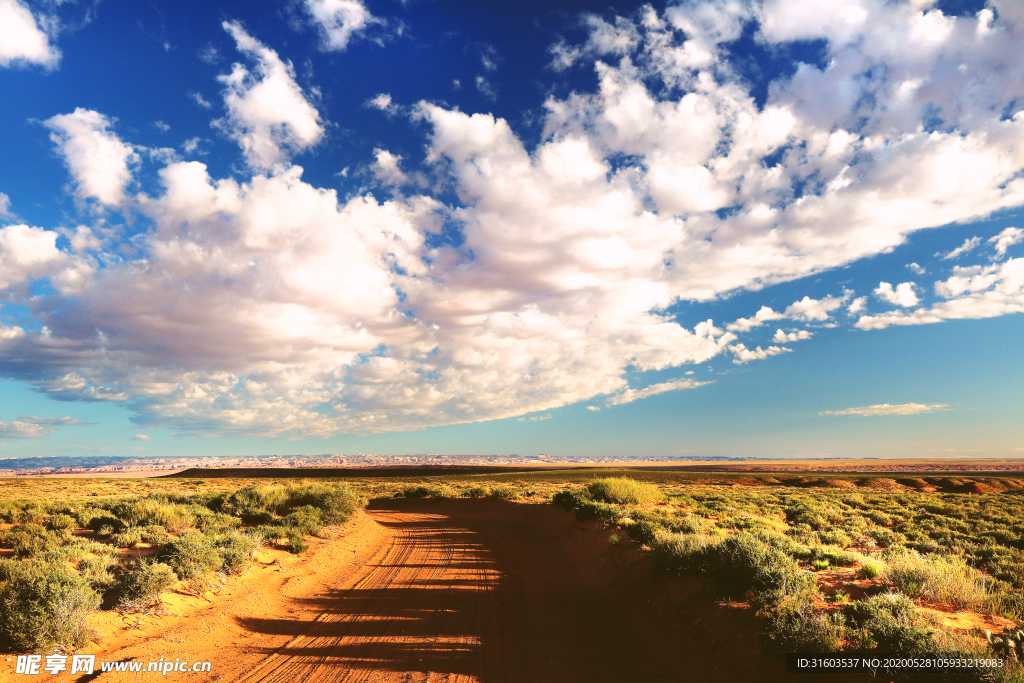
(457,591)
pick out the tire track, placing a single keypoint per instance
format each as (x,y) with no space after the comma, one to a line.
(416,605)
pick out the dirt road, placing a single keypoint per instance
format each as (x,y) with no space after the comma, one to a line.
(467,590)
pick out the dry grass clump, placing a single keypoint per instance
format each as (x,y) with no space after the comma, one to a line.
(624,491)
(943,580)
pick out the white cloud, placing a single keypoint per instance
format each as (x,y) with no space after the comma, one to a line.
(970,244)
(903,295)
(786,338)
(485,88)
(200,100)
(339,21)
(972,292)
(809,309)
(382,102)
(23,430)
(630,395)
(27,253)
(760,318)
(22,41)
(745,355)
(593,408)
(5,206)
(268,114)
(98,160)
(1005,239)
(888,409)
(857,305)
(265,305)
(142,437)
(387,169)
(36,427)
(916,269)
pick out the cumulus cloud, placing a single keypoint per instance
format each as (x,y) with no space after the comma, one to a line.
(383,103)
(339,21)
(387,169)
(970,244)
(809,309)
(745,355)
(142,437)
(972,292)
(763,315)
(268,114)
(889,409)
(265,305)
(36,427)
(630,395)
(903,295)
(26,253)
(1005,239)
(22,41)
(787,337)
(916,269)
(99,162)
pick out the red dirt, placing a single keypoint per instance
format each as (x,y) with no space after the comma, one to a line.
(465,591)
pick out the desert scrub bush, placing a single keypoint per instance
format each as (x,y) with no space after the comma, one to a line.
(835,537)
(296,543)
(236,549)
(193,558)
(643,530)
(871,569)
(97,572)
(257,504)
(60,522)
(308,520)
(336,502)
(615,539)
(504,493)
(680,552)
(127,538)
(944,580)
(794,624)
(415,491)
(29,540)
(742,561)
(478,492)
(889,622)
(208,521)
(624,491)
(44,607)
(141,584)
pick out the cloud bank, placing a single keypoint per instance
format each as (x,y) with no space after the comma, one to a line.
(264,305)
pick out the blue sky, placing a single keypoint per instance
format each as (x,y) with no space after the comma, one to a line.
(727,228)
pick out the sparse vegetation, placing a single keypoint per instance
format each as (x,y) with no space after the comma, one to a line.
(55,577)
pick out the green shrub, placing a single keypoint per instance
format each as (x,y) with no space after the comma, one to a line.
(127,538)
(60,522)
(794,624)
(141,584)
(478,492)
(29,540)
(871,569)
(505,493)
(308,520)
(336,502)
(236,549)
(644,531)
(680,552)
(296,543)
(835,537)
(622,490)
(891,623)
(97,571)
(44,607)
(193,558)
(945,580)
(742,561)
(414,491)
